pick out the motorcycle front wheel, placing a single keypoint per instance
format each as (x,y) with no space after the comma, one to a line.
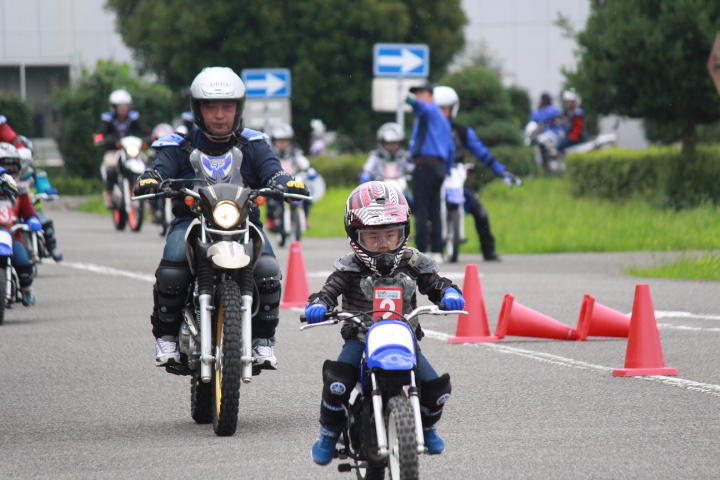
(228,352)
(4,280)
(135,215)
(402,443)
(119,218)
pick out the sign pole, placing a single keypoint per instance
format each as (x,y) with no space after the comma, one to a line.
(400,114)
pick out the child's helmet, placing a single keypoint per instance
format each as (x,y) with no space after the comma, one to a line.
(377,207)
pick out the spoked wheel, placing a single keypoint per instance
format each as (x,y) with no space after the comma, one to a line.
(200,400)
(135,215)
(452,244)
(228,364)
(119,219)
(403,457)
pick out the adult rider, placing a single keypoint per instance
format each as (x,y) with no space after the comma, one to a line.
(217,98)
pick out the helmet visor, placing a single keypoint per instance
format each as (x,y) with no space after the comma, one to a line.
(381,240)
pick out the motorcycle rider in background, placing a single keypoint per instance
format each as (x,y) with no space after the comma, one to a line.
(293,161)
(390,161)
(30,177)
(116,124)
(217,97)
(467,141)
(10,165)
(573,125)
(377,220)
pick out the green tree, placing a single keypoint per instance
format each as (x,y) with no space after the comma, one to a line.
(17,112)
(327,44)
(647,59)
(486,105)
(80,107)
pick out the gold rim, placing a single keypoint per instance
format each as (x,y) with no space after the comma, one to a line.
(218,361)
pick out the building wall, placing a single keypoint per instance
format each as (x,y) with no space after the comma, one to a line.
(44,44)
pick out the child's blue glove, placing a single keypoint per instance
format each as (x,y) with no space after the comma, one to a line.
(452,300)
(34,224)
(364,177)
(315,313)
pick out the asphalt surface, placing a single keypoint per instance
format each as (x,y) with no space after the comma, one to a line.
(81,398)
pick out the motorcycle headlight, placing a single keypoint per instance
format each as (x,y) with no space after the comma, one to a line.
(226,214)
(132,151)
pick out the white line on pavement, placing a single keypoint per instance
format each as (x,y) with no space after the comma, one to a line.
(688,328)
(688,315)
(569,362)
(90,267)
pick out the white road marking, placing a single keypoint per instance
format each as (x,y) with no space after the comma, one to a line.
(694,316)
(90,267)
(688,328)
(569,362)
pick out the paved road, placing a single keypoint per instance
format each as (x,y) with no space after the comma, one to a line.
(80,396)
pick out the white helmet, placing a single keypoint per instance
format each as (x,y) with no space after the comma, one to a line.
(390,132)
(317,126)
(446,97)
(217,83)
(570,96)
(120,97)
(10,158)
(282,131)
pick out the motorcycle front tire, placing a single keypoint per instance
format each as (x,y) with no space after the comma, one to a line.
(227,340)
(452,245)
(402,443)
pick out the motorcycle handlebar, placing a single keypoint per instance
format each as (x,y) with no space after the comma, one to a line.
(334,316)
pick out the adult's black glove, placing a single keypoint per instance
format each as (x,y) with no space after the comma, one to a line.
(511,180)
(296,187)
(148,182)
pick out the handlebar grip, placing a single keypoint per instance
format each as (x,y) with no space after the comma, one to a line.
(303,318)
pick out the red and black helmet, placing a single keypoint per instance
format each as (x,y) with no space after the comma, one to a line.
(373,209)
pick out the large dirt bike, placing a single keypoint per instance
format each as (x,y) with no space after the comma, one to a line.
(131,162)
(384,429)
(215,337)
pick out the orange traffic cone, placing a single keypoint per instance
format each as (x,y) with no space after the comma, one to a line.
(296,291)
(473,327)
(597,320)
(644,355)
(519,320)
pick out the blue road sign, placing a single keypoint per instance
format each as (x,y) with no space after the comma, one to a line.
(401,60)
(267,82)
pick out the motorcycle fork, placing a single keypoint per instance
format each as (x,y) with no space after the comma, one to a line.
(415,402)
(377,403)
(126,194)
(205,289)
(246,283)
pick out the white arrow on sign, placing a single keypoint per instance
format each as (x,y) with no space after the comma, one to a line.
(271,84)
(407,60)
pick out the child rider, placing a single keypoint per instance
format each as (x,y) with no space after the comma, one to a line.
(377,220)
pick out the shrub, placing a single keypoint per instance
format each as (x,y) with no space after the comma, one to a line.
(661,175)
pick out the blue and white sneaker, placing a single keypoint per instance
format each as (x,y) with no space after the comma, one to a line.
(323,450)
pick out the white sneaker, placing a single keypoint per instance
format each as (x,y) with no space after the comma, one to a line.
(166,351)
(263,355)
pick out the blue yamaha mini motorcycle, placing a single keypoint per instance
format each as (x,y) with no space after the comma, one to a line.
(384,429)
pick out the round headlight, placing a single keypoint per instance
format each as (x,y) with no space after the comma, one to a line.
(226,214)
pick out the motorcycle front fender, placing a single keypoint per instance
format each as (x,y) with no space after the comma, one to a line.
(228,255)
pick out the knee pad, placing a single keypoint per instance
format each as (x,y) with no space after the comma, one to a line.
(49,235)
(267,279)
(434,393)
(339,378)
(110,176)
(25,275)
(171,285)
